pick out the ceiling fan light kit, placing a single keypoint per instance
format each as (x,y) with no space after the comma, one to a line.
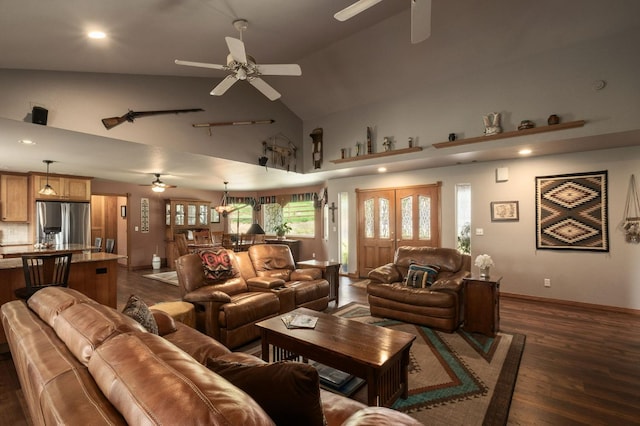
(244,67)
(159,186)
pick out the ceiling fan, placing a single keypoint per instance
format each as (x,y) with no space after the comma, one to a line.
(159,186)
(244,67)
(420,16)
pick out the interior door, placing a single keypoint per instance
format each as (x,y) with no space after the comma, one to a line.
(376,229)
(390,218)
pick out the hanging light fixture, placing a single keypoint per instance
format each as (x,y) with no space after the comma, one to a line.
(47,189)
(225,208)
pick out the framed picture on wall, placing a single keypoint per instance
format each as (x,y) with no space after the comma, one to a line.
(504,211)
(215,216)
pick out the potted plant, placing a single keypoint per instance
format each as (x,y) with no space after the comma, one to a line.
(282,229)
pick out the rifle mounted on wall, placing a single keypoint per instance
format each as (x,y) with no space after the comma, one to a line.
(112,122)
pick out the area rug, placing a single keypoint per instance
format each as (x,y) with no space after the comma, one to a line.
(454,378)
(360,284)
(169,277)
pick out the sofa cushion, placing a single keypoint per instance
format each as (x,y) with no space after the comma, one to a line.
(217,264)
(50,301)
(139,311)
(422,276)
(151,381)
(288,391)
(85,326)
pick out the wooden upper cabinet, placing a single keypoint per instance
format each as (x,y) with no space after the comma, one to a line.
(67,187)
(14,198)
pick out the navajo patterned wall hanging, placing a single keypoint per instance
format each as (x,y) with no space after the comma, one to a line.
(571,212)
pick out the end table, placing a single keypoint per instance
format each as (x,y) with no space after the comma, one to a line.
(330,272)
(482,305)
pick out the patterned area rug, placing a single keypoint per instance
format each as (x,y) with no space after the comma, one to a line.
(170,277)
(360,284)
(454,379)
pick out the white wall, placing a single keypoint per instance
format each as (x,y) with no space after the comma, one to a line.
(590,277)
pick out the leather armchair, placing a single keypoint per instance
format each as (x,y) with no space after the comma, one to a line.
(226,311)
(274,268)
(439,306)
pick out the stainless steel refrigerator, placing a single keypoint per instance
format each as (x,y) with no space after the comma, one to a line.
(63,222)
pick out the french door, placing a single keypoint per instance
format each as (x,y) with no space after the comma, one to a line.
(390,218)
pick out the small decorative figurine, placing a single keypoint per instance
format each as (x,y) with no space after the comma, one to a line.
(387,143)
(526,124)
(553,119)
(452,137)
(410,142)
(492,124)
(369,144)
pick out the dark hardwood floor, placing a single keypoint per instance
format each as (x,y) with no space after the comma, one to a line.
(580,366)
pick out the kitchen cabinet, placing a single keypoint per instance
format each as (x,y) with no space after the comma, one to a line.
(14,198)
(68,188)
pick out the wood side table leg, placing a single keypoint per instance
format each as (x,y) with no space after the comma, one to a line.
(373,383)
(405,372)
(265,345)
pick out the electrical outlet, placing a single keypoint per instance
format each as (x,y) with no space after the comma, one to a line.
(479,231)
(313,255)
(547,282)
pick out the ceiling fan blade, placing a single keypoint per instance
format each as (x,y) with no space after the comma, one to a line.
(279,69)
(200,64)
(357,7)
(265,88)
(420,20)
(236,49)
(224,85)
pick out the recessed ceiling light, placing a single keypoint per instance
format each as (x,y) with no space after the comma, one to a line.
(382,169)
(524,151)
(27,142)
(97,34)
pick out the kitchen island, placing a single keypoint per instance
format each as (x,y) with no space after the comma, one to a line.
(19,250)
(94,274)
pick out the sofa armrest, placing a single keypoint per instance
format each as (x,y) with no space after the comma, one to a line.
(306,274)
(451,282)
(264,283)
(386,274)
(207,294)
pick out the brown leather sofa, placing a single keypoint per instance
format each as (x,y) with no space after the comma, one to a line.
(440,306)
(264,284)
(80,362)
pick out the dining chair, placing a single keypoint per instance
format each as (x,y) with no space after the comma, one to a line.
(97,244)
(43,270)
(109,245)
(202,237)
(181,244)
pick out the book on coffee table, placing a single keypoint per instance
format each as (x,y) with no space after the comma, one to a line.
(299,321)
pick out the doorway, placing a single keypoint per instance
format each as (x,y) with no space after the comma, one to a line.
(390,218)
(109,222)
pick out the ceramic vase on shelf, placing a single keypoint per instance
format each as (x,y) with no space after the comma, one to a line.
(484,273)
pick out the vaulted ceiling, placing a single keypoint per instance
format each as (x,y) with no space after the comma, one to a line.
(146,36)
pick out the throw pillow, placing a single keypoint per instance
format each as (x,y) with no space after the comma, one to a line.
(422,276)
(288,391)
(139,311)
(217,264)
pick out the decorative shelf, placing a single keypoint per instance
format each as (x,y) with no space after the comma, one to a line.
(515,133)
(378,155)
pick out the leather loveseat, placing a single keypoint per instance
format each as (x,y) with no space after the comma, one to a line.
(82,363)
(439,305)
(260,284)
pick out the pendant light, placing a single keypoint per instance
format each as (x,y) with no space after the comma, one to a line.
(225,208)
(47,189)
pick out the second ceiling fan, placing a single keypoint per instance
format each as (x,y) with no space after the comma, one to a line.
(420,16)
(244,67)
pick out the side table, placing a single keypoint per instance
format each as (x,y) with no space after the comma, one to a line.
(330,272)
(482,305)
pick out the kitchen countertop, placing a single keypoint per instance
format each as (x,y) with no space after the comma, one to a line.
(76,258)
(30,249)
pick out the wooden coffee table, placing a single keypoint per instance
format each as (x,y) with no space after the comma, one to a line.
(378,355)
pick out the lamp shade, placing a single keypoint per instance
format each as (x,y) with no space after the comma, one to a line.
(255,229)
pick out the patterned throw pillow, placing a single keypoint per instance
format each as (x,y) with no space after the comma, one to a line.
(139,311)
(422,276)
(217,264)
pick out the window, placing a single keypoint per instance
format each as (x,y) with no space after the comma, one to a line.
(239,221)
(463,217)
(300,215)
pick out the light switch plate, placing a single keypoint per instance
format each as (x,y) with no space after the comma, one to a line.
(479,231)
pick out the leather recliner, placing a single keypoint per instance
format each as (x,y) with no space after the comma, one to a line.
(440,305)
(228,310)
